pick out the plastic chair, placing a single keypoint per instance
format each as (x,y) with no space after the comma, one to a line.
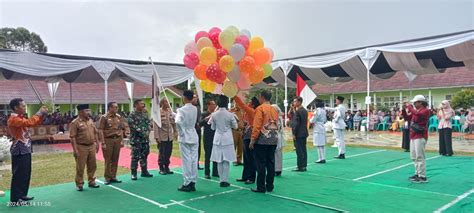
(384,124)
(433,123)
(456,124)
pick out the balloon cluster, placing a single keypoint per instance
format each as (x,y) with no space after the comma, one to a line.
(228,61)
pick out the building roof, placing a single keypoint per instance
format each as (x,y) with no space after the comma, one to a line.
(452,77)
(81,92)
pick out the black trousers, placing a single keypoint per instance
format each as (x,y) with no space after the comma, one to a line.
(265,162)
(165,149)
(21,175)
(249,162)
(198,130)
(301,153)
(406,139)
(445,141)
(208,142)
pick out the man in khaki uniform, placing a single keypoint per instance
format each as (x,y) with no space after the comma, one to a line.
(85,142)
(112,128)
(164,136)
(238,134)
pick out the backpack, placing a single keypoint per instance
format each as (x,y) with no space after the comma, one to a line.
(269,133)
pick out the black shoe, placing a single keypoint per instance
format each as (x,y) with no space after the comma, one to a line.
(321,161)
(412,178)
(207,176)
(215,175)
(257,191)
(341,156)
(146,174)
(407,150)
(95,186)
(114,180)
(300,170)
(107,182)
(278,174)
(224,184)
(169,172)
(192,186)
(184,188)
(163,173)
(241,180)
(79,188)
(248,182)
(26,198)
(269,189)
(134,177)
(134,174)
(420,179)
(200,168)
(449,155)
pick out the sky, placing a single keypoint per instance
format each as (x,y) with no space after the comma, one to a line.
(160,29)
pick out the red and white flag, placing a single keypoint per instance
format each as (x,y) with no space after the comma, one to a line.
(304,91)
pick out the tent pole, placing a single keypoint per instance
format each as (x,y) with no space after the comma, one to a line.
(285,103)
(368,103)
(106,87)
(70,98)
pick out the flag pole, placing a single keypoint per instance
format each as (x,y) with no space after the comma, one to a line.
(159,83)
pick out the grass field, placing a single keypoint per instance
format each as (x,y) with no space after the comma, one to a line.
(369,180)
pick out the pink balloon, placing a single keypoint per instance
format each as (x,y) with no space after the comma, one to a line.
(190,48)
(243,40)
(215,30)
(244,82)
(199,35)
(218,89)
(191,60)
(214,36)
(221,53)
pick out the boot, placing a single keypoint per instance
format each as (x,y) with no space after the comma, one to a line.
(145,173)
(134,174)
(168,171)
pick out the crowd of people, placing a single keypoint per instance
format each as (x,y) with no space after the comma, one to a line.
(249,134)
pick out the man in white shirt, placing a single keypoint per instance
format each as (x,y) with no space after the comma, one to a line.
(188,141)
(339,126)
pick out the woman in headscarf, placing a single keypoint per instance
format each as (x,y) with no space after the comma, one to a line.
(445,113)
(281,143)
(469,124)
(319,132)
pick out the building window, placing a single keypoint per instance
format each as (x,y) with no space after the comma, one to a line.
(390,101)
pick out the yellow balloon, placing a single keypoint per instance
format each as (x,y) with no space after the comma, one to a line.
(255,44)
(234,30)
(226,63)
(226,39)
(208,86)
(267,70)
(208,55)
(229,89)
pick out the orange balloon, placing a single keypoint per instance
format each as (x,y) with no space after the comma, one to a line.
(261,56)
(200,72)
(247,65)
(257,76)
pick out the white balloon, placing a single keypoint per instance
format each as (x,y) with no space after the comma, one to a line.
(237,51)
(246,32)
(234,75)
(191,47)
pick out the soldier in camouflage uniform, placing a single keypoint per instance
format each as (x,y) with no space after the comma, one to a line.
(140,127)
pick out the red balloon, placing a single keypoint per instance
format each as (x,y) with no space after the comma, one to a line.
(199,35)
(215,74)
(191,60)
(221,53)
(215,29)
(215,39)
(243,40)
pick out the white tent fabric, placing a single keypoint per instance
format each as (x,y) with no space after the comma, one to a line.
(18,65)
(52,88)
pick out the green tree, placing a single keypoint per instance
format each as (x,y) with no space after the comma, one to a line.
(21,39)
(463,99)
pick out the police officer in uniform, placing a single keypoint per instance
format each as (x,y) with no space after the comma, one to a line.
(112,128)
(140,127)
(85,142)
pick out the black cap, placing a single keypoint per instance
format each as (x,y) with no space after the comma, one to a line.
(82,107)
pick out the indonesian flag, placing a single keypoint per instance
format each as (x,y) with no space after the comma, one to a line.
(304,91)
(155,102)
